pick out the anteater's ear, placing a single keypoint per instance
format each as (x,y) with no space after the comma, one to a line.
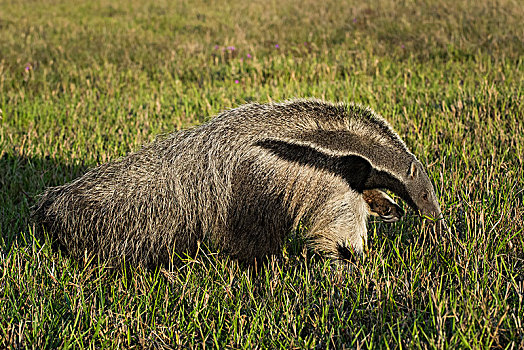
(413,171)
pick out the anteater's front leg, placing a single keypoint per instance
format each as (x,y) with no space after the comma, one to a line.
(380,204)
(338,227)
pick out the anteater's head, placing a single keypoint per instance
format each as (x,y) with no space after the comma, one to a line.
(420,195)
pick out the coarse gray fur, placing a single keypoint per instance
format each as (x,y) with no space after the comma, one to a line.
(240,183)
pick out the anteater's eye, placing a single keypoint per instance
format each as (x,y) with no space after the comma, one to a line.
(425,196)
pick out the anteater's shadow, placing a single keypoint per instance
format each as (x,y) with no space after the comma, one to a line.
(22,179)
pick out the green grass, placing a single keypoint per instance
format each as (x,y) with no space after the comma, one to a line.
(83,83)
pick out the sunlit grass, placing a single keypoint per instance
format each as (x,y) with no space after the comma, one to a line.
(83,83)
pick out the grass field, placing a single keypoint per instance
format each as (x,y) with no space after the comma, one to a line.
(83,83)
